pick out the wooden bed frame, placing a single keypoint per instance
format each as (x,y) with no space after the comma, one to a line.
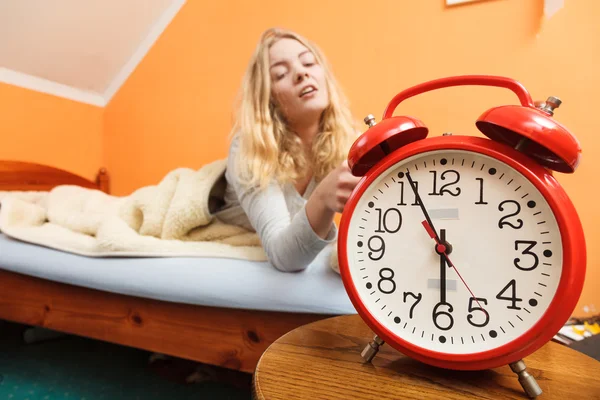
(231,338)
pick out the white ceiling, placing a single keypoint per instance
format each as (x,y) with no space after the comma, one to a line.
(81,47)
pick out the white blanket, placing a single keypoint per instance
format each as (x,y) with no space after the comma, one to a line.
(172,218)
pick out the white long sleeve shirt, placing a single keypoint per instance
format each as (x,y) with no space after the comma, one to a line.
(278,215)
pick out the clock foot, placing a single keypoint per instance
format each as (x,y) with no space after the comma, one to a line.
(526,380)
(371,349)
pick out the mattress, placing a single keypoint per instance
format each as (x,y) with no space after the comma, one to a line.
(218,282)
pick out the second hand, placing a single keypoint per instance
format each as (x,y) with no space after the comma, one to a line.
(433,233)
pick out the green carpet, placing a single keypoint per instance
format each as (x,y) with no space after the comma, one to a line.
(83,369)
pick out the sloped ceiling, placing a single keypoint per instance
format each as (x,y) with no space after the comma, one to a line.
(80,49)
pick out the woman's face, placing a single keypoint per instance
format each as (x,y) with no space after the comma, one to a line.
(298,82)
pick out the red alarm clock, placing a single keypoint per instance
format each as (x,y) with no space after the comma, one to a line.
(464,252)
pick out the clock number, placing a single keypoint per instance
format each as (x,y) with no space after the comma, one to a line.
(502,221)
(402,203)
(480,192)
(474,307)
(512,286)
(437,314)
(444,189)
(384,279)
(417,298)
(527,251)
(380,249)
(383,220)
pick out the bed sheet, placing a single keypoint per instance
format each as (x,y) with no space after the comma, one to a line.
(218,282)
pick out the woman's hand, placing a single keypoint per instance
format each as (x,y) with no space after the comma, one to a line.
(329,197)
(335,189)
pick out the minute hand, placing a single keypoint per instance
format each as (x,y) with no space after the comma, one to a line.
(420,202)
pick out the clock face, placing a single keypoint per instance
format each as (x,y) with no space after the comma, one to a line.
(500,236)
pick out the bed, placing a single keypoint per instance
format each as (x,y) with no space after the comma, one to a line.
(217,311)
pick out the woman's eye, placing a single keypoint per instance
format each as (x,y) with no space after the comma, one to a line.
(309,64)
(279,73)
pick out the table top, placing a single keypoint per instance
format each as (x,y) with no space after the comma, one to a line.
(322,360)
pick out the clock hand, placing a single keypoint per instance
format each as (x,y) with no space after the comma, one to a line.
(433,233)
(441,248)
(431,230)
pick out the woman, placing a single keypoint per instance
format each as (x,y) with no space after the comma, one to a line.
(286,173)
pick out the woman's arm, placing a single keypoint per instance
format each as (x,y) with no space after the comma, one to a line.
(329,197)
(291,243)
(319,216)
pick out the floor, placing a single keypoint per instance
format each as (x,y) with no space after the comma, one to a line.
(71,367)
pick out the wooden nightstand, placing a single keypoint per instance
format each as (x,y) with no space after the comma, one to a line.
(322,360)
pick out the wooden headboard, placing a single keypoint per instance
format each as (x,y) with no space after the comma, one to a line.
(21,175)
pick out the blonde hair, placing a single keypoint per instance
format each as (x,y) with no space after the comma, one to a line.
(268,150)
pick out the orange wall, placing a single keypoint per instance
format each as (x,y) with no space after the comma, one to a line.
(176,109)
(50,130)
